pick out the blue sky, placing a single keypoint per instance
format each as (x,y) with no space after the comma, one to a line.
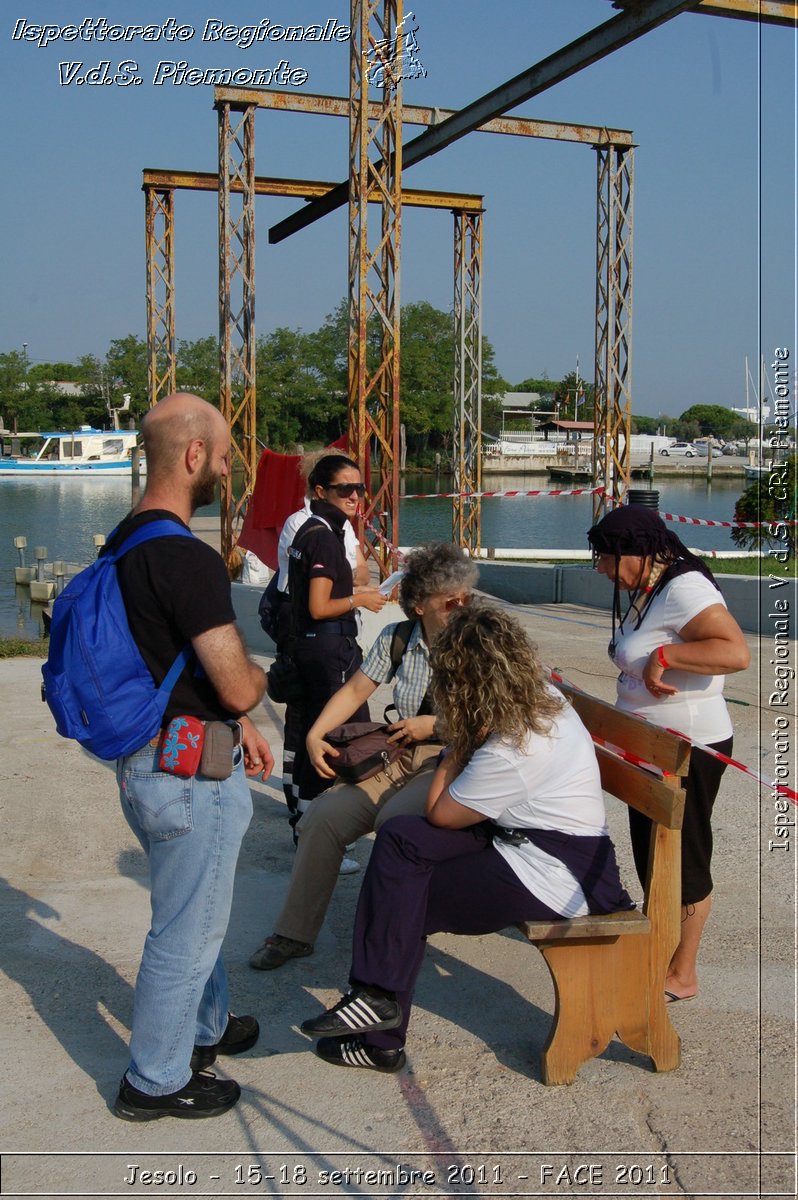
(711,103)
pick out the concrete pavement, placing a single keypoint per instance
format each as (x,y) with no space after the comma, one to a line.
(470,1115)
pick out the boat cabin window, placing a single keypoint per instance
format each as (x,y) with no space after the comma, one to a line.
(72,449)
(113,448)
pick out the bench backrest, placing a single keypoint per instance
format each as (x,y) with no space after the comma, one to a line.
(660,798)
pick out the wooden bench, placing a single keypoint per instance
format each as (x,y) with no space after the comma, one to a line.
(609,971)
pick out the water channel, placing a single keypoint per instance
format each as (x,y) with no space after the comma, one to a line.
(64,514)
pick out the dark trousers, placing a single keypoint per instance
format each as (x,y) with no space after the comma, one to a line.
(325,662)
(422,880)
(701,789)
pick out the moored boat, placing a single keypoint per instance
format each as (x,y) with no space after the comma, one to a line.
(84,451)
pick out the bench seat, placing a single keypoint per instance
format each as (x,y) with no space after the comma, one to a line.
(607,983)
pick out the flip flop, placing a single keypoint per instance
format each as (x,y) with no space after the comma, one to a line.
(672,998)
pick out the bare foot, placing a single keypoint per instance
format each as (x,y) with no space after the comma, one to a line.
(676,989)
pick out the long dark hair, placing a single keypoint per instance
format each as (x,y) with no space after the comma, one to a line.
(637,530)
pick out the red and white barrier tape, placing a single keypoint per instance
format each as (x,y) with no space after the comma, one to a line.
(776,788)
(594,491)
(724,524)
(492,495)
(393,549)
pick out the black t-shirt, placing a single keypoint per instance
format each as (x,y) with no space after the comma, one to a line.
(174,588)
(318,551)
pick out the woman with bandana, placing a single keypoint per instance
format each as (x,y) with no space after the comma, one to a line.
(674,645)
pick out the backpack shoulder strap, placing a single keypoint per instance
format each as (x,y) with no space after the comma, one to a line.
(146,533)
(399,642)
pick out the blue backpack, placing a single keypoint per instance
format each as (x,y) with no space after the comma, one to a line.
(97,685)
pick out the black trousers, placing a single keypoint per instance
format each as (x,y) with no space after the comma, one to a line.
(701,789)
(422,880)
(325,661)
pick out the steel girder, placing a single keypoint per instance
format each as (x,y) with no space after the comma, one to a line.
(613,368)
(159,234)
(375,158)
(418,114)
(237,400)
(467,442)
(562,64)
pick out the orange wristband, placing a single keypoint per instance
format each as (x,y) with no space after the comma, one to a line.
(661,659)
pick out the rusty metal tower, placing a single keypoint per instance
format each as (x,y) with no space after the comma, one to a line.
(612,418)
(159,230)
(375,169)
(237,399)
(467,411)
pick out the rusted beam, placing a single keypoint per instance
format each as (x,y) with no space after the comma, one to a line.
(568,61)
(309,189)
(766,12)
(414,114)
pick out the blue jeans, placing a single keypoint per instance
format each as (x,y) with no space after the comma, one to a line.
(191,831)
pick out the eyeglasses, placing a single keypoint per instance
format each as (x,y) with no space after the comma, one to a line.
(453,602)
(344,490)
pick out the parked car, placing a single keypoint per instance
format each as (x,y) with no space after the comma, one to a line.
(685,449)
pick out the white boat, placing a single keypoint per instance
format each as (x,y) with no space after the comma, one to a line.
(85,451)
(755,471)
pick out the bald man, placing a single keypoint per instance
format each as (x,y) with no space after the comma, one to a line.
(176,591)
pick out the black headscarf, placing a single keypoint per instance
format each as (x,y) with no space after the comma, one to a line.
(638,530)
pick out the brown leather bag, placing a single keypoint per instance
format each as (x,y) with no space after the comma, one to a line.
(363,750)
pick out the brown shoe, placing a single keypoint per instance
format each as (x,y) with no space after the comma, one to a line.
(277,950)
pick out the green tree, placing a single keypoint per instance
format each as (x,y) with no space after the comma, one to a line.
(648,425)
(770,499)
(576,398)
(715,420)
(197,368)
(545,387)
(125,372)
(293,402)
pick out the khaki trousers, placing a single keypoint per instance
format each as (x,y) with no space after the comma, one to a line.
(337,818)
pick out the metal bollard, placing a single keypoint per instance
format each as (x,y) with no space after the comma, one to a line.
(40,554)
(59,570)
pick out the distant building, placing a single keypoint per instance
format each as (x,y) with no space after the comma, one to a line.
(752,414)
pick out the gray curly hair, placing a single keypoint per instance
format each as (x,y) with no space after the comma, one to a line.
(432,570)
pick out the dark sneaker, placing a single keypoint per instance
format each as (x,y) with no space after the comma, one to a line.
(203,1096)
(277,950)
(357,1012)
(241,1034)
(353,1052)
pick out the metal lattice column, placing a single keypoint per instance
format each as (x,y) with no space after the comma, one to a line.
(613,377)
(467,448)
(375,173)
(237,311)
(159,233)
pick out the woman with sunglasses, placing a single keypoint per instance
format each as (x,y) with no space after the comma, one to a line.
(323,600)
(437,581)
(519,756)
(294,728)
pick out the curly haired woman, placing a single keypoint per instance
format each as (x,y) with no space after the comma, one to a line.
(519,756)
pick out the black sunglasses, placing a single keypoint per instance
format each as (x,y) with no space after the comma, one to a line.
(347,489)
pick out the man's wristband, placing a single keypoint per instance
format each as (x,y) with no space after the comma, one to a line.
(351,603)
(661,659)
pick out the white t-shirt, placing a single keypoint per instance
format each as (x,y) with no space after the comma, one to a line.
(289,531)
(698,708)
(551,783)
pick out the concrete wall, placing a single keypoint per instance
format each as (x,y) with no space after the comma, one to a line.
(523,583)
(246,598)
